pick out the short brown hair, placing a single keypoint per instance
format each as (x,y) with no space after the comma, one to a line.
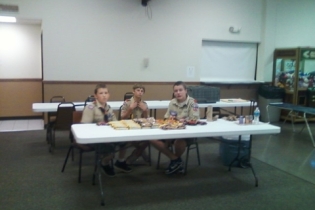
(137,85)
(178,83)
(98,86)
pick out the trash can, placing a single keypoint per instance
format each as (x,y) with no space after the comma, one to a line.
(229,149)
(269,94)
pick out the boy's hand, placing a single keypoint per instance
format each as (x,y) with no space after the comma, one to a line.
(133,105)
(142,106)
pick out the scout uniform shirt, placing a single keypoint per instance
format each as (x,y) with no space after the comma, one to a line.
(187,110)
(136,112)
(95,112)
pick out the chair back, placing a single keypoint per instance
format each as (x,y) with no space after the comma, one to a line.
(128,95)
(55,99)
(64,116)
(90,98)
(76,117)
(119,112)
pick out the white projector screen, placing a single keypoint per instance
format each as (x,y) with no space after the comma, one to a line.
(228,62)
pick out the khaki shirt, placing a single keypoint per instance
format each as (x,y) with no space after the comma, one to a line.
(188,110)
(93,114)
(136,112)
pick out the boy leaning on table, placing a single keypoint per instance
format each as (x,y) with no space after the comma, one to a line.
(132,108)
(99,112)
(181,107)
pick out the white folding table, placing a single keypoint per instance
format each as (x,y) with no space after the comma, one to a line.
(91,133)
(153,105)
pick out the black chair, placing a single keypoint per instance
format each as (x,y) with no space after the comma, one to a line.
(63,121)
(90,98)
(76,118)
(52,115)
(189,146)
(128,95)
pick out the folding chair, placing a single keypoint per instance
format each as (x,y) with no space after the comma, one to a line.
(128,95)
(52,115)
(76,118)
(90,98)
(63,121)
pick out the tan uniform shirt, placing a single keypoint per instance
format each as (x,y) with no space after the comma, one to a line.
(136,112)
(93,114)
(188,110)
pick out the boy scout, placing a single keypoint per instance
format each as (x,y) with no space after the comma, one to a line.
(99,112)
(135,107)
(181,107)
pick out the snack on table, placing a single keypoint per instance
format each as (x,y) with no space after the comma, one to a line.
(146,125)
(140,120)
(230,118)
(155,125)
(191,122)
(172,124)
(131,124)
(118,125)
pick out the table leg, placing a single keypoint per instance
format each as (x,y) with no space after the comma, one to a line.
(244,161)
(308,128)
(100,181)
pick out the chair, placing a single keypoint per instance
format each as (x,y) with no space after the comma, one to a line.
(128,95)
(90,98)
(76,118)
(189,146)
(63,121)
(52,115)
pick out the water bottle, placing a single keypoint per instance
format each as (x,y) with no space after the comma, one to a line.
(256,115)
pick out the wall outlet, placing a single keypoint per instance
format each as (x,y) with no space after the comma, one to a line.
(190,71)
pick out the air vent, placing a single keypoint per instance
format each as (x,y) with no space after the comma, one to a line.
(9,8)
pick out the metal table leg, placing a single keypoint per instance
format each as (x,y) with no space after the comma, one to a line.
(308,128)
(97,172)
(244,161)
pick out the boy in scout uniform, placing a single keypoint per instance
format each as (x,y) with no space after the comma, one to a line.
(181,107)
(135,107)
(100,112)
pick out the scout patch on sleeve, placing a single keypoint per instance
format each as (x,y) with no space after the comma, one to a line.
(173,113)
(90,106)
(195,107)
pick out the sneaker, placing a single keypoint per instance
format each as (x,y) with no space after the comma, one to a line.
(181,170)
(109,171)
(122,166)
(174,166)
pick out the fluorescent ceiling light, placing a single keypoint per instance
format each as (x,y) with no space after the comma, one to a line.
(7,19)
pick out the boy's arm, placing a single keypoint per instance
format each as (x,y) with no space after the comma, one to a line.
(193,111)
(125,111)
(88,114)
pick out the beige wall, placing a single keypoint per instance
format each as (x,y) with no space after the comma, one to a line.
(17,97)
